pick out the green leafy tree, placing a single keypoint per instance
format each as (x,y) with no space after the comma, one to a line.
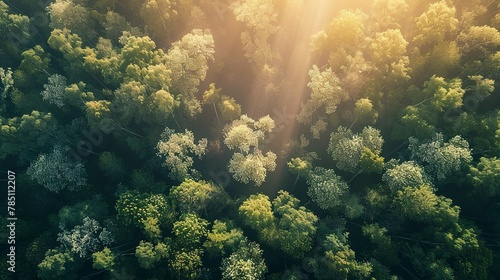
(57,263)
(482,88)
(35,251)
(190,230)
(444,94)
(104,259)
(114,24)
(479,42)
(130,101)
(163,105)
(211,96)
(70,45)
(485,176)
(178,150)
(229,108)
(435,24)
(296,225)
(417,121)
(388,13)
(388,50)
(95,208)
(364,111)
(112,166)
(245,263)
(186,264)
(75,17)
(195,196)
(421,204)
(300,167)
(257,211)
(337,43)
(20,134)
(283,223)
(149,254)
(223,238)
(443,60)
(34,62)
(97,112)
(326,188)
(385,248)
(339,260)
(438,96)
(15,31)
(371,162)
(56,172)
(441,158)
(145,211)
(158,15)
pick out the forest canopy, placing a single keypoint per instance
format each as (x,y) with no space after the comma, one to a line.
(250,139)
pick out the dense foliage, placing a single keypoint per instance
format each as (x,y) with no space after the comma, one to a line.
(251,139)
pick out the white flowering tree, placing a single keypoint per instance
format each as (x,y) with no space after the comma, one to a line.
(178,150)
(85,238)
(441,158)
(244,263)
(407,174)
(326,92)
(53,92)
(55,172)
(188,61)
(326,188)
(249,163)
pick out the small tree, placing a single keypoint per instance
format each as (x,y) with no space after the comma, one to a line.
(112,166)
(104,259)
(54,90)
(223,238)
(300,167)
